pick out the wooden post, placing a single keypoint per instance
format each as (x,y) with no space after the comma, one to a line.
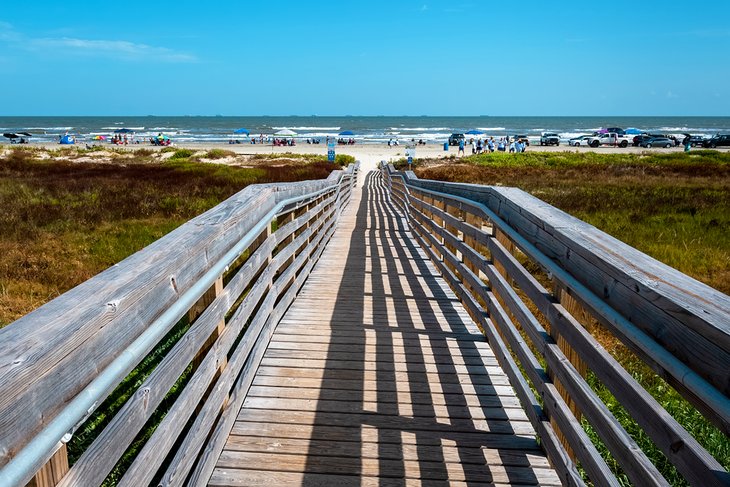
(215,290)
(281,221)
(52,472)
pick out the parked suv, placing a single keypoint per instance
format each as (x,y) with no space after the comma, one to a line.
(549,138)
(719,140)
(455,138)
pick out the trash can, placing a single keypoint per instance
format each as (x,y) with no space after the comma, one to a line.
(446,147)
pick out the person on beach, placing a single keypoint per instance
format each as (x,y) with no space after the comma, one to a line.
(511,147)
(490,144)
(461,147)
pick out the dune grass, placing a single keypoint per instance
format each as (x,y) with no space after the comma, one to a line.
(674,207)
(65,221)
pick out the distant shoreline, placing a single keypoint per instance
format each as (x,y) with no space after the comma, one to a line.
(362,151)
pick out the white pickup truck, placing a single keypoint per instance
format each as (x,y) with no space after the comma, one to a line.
(610,138)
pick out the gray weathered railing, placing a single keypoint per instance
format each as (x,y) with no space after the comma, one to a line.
(537,281)
(224,279)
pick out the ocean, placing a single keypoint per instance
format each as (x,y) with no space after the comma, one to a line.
(191,129)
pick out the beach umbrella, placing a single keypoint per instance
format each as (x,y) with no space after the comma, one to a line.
(124,131)
(602,131)
(347,132)
(285,133)
(25,134)
(99,137)
(10,136)
(475,132)
(241,131)
(633,131)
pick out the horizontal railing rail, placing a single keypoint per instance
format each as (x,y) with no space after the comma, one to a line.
(538,281)
(221,282)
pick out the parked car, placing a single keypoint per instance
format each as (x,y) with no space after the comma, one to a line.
(719,140)
(658,142)
(455,138)
(697,140)
(549,138)
(610,138)
(639,139)
(521,138)
(580,140)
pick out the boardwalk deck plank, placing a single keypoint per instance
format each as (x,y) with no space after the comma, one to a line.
(376,375)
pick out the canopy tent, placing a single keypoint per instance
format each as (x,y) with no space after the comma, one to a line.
(67,140)
(285,133)
(124,131)
(474,132)
(347,132)
(9,135)
(241,131)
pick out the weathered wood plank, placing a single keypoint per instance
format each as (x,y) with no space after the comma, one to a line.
(380,369)
(387,468)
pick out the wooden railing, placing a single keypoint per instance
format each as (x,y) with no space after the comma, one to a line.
(538,281)
(220,283)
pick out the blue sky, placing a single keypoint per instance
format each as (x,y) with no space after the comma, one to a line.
(365,58)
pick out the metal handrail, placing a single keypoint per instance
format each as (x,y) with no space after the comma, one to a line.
(21,468)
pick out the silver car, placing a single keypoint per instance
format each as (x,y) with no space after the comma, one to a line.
(580,140)
(657,142)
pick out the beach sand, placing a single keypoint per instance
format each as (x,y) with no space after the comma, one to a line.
(380,152)
(369,155)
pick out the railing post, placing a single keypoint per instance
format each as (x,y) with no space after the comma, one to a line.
(53,471)
(197,309)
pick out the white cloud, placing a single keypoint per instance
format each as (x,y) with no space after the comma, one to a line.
(119,49)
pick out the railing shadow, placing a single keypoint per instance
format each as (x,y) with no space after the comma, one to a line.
(403,325)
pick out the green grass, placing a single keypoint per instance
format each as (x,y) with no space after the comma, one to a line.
(65,221)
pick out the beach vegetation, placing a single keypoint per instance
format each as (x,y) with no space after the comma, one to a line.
(180,154)
(64,221)
(219,154)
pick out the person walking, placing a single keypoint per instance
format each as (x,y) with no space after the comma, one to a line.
(461,147)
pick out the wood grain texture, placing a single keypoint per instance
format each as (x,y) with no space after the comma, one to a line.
(582,250)
(377,372)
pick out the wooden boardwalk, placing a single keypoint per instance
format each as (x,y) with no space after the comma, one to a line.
(377,376)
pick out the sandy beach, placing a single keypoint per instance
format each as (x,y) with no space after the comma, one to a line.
(379,152)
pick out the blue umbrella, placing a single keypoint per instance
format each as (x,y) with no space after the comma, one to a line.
(347,132)
(124,131)
(241,131)
(475,132)
(633,131)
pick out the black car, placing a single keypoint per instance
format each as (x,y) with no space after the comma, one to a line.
(455,138)
(640,139)
(719,140)
(697,140)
